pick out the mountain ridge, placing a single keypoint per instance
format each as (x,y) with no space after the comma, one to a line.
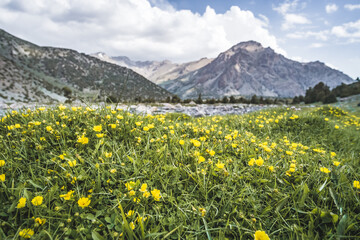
(248,69)
(56,68)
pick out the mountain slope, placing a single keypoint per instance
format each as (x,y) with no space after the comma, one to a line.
(247,69)
(156,71)
(86,76)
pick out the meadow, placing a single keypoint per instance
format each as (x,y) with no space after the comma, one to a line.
(81,173)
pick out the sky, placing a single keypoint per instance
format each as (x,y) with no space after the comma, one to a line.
(187,30)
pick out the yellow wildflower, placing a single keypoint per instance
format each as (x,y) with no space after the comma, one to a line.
(356,184)
(130,213)
(336,163)
(251,162)
(271,168)
(26,233)
(40,221)
(201,159)
(220,165)
(324,170)
(99,135)
(97,128)
(156,194)
(113,170)
(143,187)
(84,202)
(202,211)
(72,163)
(83,140)
(36,201)
(2,177)
(2,163)
(21,203)
(181,142)
(259,161)
(132,225)
(68,195)
(261,235)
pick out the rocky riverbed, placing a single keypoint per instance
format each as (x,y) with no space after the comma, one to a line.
(196,110)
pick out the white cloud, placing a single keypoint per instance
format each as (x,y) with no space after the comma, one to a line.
(350,30)
(138,29)
(331,8)
(352,7)
(287,9)
(320,35)
(316,45)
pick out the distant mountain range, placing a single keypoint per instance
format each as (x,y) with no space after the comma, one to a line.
(246,69)
(156,71)
(32,73)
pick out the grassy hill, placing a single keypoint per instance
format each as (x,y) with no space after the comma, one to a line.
(79,173)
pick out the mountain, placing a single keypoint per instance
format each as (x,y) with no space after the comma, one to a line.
(247,69)
(156,71)
(32,73)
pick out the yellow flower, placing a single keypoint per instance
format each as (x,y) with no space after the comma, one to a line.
(336,127)
(212,152)
(324,170)
(132,225)
(259,161)
(132,192)
(62,107)
(36,201)
(97,128)
(201,159)
(113,170)
(261,235)
(156,194)
(130,185)
(138,123)
(68,195)
(146,128)
(146,194)
(100,135)
(26,233)
(143,187)
(289,153)
(130,213)
(22,203)
(83,140)
(333,154)
(356,184)
(72,163)
(202,211)
(49,128)
(108,155)
(326,119)
(251,162)
(2,177)
(336,163)
(84,202)
(271,168)
(181,142)
(196,143)
(220,165)
(40,221)
(2,163)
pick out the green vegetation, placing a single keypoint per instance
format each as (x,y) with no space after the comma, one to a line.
(81,173)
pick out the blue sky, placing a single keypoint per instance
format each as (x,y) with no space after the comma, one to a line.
(186,30)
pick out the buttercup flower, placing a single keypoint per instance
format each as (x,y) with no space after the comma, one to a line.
(2,177)
(261,235)
(22,203)
(26,233)
(84,202)
(36,201)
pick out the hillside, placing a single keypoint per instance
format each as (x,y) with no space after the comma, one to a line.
(156,71)
(48,70)
(249,69)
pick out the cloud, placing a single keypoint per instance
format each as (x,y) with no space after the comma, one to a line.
(287,9)
(139,29)
(350,31)
(331,8)
(316,45)
(352,7)
(320,35)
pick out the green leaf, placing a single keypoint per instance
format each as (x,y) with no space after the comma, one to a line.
(340,230)
(96,236)
(322,186)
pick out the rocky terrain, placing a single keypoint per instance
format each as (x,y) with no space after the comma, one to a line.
(156,71)
(247,69)
(32,73)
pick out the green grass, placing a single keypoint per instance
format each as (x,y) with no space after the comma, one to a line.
(208,188)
